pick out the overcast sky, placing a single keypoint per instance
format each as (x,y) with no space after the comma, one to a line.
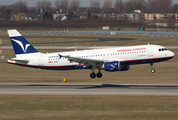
(84,3)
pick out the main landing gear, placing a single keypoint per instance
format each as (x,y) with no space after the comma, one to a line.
(152,70)
(98,75)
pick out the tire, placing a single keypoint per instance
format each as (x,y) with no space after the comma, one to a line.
(153,71)
(93,75)
(99,75)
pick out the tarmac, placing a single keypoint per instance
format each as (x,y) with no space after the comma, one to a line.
(87,89)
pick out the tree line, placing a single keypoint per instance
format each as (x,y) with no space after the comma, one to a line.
(72,23)
(66,6)
(118,6)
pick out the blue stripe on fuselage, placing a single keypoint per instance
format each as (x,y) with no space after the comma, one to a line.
(144,61)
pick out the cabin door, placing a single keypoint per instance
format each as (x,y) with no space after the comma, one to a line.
(40,60)
(150,51)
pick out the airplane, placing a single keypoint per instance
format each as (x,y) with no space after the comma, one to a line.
(108,59)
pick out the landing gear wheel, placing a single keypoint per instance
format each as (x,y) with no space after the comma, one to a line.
(99,75)
(153,71)
(92,75)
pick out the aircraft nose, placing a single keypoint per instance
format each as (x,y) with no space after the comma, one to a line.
(172,54)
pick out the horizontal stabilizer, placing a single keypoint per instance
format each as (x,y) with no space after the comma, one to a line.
(19,60)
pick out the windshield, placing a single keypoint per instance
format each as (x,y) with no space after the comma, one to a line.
(162,49)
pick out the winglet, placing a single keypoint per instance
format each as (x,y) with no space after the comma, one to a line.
(20,44)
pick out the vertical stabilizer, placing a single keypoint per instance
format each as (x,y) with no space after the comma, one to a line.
(20,44)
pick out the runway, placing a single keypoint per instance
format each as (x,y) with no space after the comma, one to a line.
(80,39)
(86,89)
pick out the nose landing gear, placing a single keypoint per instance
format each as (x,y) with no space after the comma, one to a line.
(152,70)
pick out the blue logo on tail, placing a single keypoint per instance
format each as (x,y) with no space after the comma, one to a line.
(22,46)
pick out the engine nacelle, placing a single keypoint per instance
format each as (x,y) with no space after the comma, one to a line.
(115,66)
(112,66)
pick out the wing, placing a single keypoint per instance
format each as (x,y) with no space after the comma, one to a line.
(86,61)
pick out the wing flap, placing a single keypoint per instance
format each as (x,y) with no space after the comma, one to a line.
(75,59)
(85,61)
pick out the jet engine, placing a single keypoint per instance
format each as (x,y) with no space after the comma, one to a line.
(114,66)
(111,66)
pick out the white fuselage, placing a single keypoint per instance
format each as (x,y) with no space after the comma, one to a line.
(125,55)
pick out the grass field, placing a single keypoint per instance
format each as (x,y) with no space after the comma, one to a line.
(166,72)
(51,107)
(141,39)
(88,107)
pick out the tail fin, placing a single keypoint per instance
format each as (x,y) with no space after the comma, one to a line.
(20,44)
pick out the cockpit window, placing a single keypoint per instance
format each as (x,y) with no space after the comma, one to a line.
(162,49)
